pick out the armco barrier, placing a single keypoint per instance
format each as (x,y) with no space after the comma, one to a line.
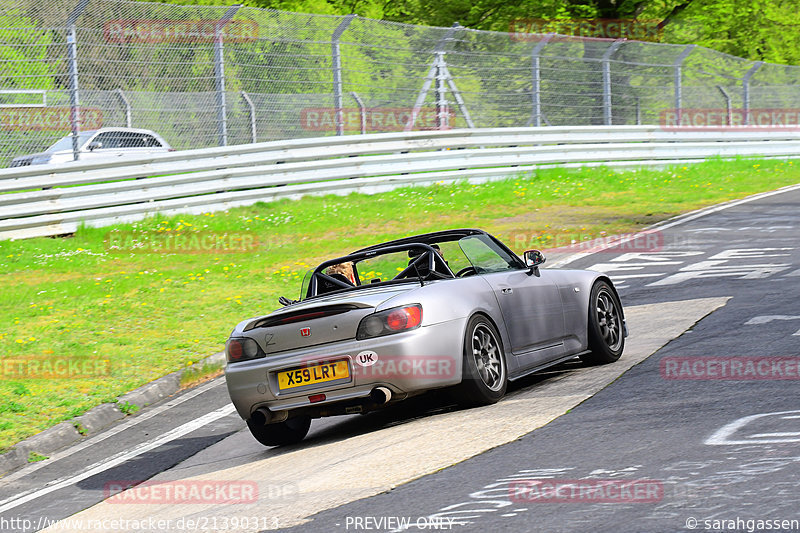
(54,199)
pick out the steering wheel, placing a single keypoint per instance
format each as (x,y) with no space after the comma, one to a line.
(466,271)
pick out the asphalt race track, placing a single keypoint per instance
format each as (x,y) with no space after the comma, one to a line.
(700,432)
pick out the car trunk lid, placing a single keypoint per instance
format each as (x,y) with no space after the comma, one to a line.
(318,321)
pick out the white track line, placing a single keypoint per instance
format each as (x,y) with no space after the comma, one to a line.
(676,221)
(112,431)
(118,459)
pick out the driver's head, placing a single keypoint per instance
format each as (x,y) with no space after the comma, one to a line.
(345,269)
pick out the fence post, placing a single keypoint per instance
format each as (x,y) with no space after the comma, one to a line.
(252,116)
(219,75)
(336,58)
(607,118)
(127,104)
(72,54)
(536,94)
(361,110)
(728,107)
(678,68)
(432,73)
(746,90)
(457,95)
(442,112)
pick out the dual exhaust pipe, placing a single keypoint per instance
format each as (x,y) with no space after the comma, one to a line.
(263,416)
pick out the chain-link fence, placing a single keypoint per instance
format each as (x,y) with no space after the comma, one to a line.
(206,76)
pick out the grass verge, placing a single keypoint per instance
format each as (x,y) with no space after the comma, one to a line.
(118,318)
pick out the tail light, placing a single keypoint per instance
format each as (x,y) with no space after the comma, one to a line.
(391,321)
(242,349)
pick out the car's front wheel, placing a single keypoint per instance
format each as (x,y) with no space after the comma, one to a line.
(289,431)
(484,375)
(606,332)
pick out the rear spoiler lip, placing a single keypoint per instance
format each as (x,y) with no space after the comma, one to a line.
(298,315)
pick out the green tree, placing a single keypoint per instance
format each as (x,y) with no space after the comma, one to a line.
(23,54)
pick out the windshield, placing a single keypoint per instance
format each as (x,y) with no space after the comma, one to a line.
(306,284)
(417,262)
(66,142)
(486,256)
(381,267)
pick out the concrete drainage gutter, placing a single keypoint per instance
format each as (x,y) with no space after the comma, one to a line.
(98,418)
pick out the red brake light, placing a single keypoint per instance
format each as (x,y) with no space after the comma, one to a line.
(305,316)
(390,321)
(405,318)
(242,349)
(234,350)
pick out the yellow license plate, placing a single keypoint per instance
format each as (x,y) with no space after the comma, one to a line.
(313,374)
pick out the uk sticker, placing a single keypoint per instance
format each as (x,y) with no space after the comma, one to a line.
(367,358)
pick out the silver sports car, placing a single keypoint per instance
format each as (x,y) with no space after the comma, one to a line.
(454,308)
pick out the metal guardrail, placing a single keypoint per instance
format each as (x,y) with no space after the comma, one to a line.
(51,200)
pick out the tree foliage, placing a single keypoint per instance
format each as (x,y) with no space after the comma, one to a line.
(23,54)
(765,30)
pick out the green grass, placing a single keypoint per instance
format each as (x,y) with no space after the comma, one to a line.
(140,316)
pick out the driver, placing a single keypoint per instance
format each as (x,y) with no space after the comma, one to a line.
(413,254)
(343,269)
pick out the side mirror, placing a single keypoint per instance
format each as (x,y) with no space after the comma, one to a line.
(534,258)
(94,145)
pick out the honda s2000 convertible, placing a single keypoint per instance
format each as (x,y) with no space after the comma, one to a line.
(455,309)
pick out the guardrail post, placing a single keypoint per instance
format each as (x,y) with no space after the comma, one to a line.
(219,75)
(252,109)
(728,107)
(127,104)
(607,118)
(72,55)
(336,58)
(536,74)
(361,111)
(746,90)
(677,65)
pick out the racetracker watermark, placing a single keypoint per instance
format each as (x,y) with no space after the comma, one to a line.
(189,242)
(744,368)
(48,118)
(581,241)
(193,492)
(375,118)
(531,29)
(371,365)
(586,491)
(53,368)
(179,31)
(710,119)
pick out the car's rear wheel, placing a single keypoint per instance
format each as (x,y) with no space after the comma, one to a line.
(484,375)
(289,431)
(606,334)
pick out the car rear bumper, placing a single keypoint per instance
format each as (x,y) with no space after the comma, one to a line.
(426,358)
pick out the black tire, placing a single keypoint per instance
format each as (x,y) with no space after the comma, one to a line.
(289,431)
(605,328)
(484,372)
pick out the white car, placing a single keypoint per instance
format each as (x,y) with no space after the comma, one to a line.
(97,144)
